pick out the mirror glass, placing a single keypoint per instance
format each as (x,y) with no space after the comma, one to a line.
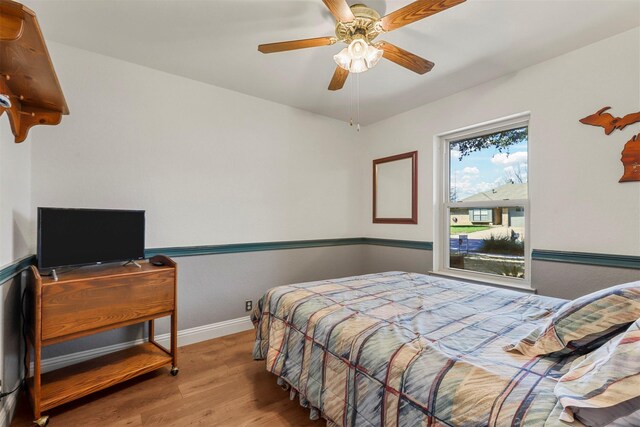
(395,189)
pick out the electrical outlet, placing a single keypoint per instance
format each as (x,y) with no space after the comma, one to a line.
(248,305)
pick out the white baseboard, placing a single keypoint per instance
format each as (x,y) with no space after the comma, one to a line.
(185,337)
(9,405)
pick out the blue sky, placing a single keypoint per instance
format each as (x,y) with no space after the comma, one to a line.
(487,169)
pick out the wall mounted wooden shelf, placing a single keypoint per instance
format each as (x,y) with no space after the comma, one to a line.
(27,75)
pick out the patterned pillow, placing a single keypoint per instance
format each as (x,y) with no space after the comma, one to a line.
(603,387)
(625,414)
(582,321)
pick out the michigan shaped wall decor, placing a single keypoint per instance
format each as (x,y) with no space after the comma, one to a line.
(631,160)
(608,122)
(631,152)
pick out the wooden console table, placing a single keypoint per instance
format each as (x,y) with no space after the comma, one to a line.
(94,299)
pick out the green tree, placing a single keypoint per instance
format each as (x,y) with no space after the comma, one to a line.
(501,140)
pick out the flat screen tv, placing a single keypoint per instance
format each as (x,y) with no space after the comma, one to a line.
(73,237)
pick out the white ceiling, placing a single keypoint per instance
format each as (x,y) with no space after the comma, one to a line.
(215,41)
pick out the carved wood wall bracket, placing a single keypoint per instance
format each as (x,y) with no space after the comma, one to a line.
(23,117)
(27,76)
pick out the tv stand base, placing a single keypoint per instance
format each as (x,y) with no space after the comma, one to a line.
(86,301)
(132,262)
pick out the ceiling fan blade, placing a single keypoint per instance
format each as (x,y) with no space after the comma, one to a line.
(414,12)
(405,59)
(339,77)
(296,44)
(340,9)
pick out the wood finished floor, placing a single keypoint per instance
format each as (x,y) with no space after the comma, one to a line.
(219,384)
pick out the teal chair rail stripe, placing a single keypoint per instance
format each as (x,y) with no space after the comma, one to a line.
(605,260)
(16,267)
(250,247)
(294,244)
(409,244)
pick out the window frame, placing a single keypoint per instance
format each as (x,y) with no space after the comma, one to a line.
(443,204)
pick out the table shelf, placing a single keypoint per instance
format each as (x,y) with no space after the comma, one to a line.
(73,382)
(91,300)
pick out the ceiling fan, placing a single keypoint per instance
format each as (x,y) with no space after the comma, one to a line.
(358,26)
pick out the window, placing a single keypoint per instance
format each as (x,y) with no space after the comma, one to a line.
(481,215)
(484,203)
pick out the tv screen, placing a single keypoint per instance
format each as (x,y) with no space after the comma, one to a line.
(69,237)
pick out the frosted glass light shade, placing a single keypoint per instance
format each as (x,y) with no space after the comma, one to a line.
(358,66)
(357,49)
(343,59)
(372,56)
(358,56)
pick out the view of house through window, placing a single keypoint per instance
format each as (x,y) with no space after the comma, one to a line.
(488,202)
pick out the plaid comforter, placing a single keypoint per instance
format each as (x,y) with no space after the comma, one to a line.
(406,349)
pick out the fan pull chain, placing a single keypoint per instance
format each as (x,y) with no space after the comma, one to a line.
(358,102)
(354,87)
(350,83)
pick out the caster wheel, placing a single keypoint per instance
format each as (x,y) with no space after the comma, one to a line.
(42,421)
(174,371)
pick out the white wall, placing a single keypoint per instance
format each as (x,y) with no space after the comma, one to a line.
(15,236)
(15,195)
(577,203)
(210,166)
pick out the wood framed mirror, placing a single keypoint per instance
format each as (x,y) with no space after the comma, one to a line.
(395,189)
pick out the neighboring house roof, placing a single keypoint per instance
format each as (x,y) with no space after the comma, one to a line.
(504,192)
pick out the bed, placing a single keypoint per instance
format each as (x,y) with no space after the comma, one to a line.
(406,349)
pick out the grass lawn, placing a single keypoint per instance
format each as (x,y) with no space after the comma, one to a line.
(466,229)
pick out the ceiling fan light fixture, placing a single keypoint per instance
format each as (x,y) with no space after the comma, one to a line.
(357,26)
(358,57)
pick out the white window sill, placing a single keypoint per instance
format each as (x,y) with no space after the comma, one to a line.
(485,279)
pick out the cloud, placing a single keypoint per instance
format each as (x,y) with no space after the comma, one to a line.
(471,170)
(519,157)
(455,154)
(469,184)
(521,168)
